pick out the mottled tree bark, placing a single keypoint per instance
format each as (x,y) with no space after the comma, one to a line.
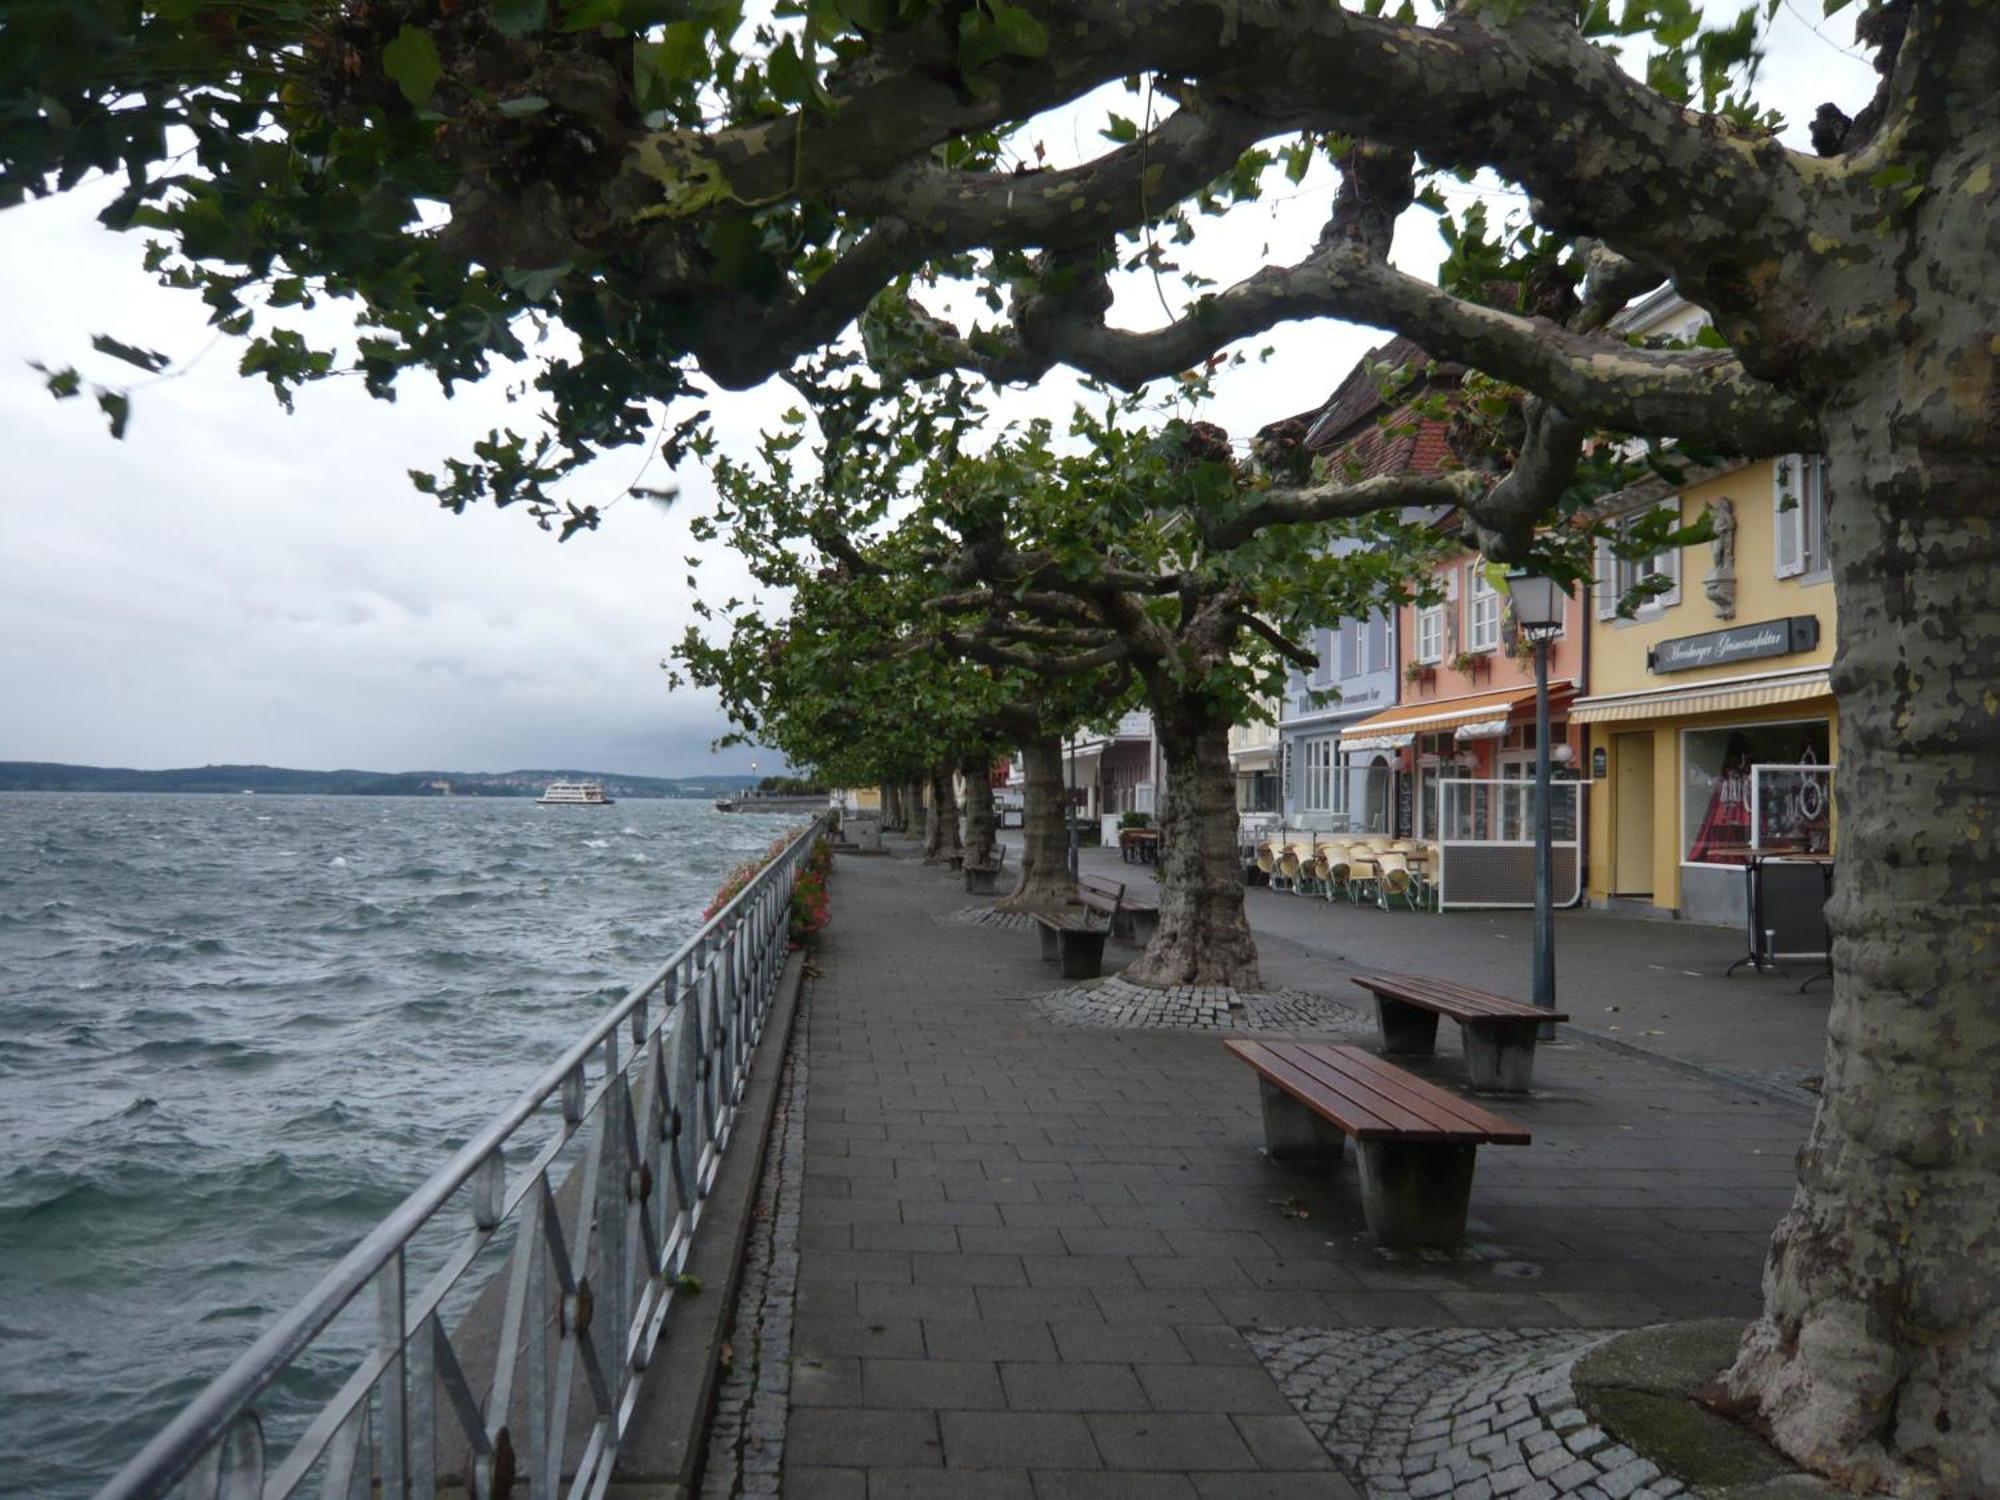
(1204,934)
(940,819)
(1877,1358)
(892,808)
(977,773)
(915,813)
(1045,878)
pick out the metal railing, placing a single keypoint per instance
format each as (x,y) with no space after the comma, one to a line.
(591,1262)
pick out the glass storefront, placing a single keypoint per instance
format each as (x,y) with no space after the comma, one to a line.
(1717,776)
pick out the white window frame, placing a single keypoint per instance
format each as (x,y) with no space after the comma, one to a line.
(1799,517)
(1321,776)
(1430,634)
(1616,575)
(1482,608)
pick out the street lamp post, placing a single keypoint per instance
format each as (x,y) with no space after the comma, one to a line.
(1538,614)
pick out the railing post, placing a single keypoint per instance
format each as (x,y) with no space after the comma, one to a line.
(395,1425)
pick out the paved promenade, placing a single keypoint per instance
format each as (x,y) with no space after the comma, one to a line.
(1038,1259)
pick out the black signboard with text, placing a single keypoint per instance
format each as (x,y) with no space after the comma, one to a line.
(1714,648)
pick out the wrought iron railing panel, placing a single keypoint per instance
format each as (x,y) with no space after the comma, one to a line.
(557,1293)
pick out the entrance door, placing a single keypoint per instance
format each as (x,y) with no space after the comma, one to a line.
(1632,858)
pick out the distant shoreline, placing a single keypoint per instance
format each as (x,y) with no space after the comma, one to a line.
(234,780)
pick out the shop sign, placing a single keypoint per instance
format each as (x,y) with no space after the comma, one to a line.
(1714,648)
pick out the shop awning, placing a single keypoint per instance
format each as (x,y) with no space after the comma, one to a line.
(1702,697)
(1407,718)
(1485,729)
(1256,758)
(1360,745)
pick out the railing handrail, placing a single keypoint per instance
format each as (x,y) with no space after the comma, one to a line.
(206,1419)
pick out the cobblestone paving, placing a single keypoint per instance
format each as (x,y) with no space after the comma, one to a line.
(746,1437)
(1457,1413)
(1119,1004)
(986,916)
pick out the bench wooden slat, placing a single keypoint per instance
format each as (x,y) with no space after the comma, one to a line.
(1372,1100)
(1459,1001)
(1357,1117)
(1451,1112)
(1416,1108)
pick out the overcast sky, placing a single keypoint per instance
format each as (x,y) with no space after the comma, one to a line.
(232,584)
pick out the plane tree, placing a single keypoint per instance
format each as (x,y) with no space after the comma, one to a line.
(685,193)
(858,674)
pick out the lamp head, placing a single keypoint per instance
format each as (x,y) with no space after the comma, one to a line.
(1538,604)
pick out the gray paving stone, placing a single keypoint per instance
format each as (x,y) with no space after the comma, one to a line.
(1073,1387)
(1008,1439)
(854,1437)
(1175,1441)
(931,1384)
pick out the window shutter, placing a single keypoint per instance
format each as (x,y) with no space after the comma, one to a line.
(1378,644)
(1323,648)
(1788,510)
(1605,588)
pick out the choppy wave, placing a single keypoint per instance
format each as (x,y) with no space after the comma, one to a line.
(231,1041)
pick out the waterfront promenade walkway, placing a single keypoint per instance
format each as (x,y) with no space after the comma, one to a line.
(1004,1256)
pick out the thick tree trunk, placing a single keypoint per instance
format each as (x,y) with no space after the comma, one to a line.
(1204,935)
(914,809)
(977,773)
(1045,878)
(1877,1359)
(892,809)
(940,819)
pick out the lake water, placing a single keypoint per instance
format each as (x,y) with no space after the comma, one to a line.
(235,1031)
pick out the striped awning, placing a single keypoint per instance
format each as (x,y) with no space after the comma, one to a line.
(1435,713)
(1703,698)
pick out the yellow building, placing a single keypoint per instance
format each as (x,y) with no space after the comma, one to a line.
(1710,717)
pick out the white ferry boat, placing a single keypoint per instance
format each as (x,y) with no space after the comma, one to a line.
(573,794)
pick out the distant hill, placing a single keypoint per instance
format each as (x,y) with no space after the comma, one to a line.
(49,776)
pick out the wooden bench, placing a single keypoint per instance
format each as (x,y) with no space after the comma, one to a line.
(1074,940)
(1499,1034)
(984,880)
(1416,1143)
(1132,918)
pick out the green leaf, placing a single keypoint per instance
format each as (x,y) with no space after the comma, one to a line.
(869,15)
(1020,32)
(118,407)
(791,79)
(1710,338)
(527,104)
(412,61)
(148,360)
(518,17)
(62,384)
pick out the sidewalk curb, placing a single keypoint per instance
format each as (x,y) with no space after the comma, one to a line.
(668,1436)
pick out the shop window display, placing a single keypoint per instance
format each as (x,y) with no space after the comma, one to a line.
(1716,778)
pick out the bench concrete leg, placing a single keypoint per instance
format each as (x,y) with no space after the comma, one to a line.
(1144,925)
(1406,1028)
(982,881)
(1500,1055)
(1082,953)
(1415,1194)
(1294,1133)
(1049,952)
